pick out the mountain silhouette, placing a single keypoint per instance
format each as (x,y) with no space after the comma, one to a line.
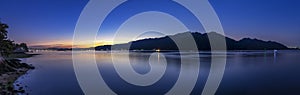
(202,42)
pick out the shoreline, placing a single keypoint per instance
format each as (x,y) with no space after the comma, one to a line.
(10,70)
(8,80)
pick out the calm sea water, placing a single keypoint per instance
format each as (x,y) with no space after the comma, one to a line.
(248,72)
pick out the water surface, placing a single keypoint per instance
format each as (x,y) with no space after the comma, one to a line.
(247,72)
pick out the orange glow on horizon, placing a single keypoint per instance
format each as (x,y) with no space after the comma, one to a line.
(69,44)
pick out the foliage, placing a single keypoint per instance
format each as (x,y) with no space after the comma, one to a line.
(202,42)
(3,31)
(22,45)
(7,46)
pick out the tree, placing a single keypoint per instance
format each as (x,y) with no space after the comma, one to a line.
(6,45)
(3,31)
(24,46)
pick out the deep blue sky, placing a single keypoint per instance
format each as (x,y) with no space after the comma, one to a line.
(53,21)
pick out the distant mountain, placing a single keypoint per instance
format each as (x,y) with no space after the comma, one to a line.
(202,41)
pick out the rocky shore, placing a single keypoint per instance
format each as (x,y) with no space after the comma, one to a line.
(10,71)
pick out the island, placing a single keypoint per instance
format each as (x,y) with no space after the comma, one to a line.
(202,41)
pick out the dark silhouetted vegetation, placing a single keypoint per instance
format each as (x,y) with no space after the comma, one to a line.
(11,68)
(202,41)
(8,46)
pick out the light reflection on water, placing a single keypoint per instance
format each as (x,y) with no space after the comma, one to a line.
(247,72)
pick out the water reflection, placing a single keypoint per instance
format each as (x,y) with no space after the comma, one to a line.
(247,72)
(275,56)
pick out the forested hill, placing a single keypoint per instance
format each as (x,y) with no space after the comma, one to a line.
(202,41)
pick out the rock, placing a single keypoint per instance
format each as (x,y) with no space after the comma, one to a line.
(20,88)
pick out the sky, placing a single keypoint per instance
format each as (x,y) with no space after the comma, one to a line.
(51,23)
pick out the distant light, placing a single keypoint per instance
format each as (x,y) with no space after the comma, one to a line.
(157,50)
